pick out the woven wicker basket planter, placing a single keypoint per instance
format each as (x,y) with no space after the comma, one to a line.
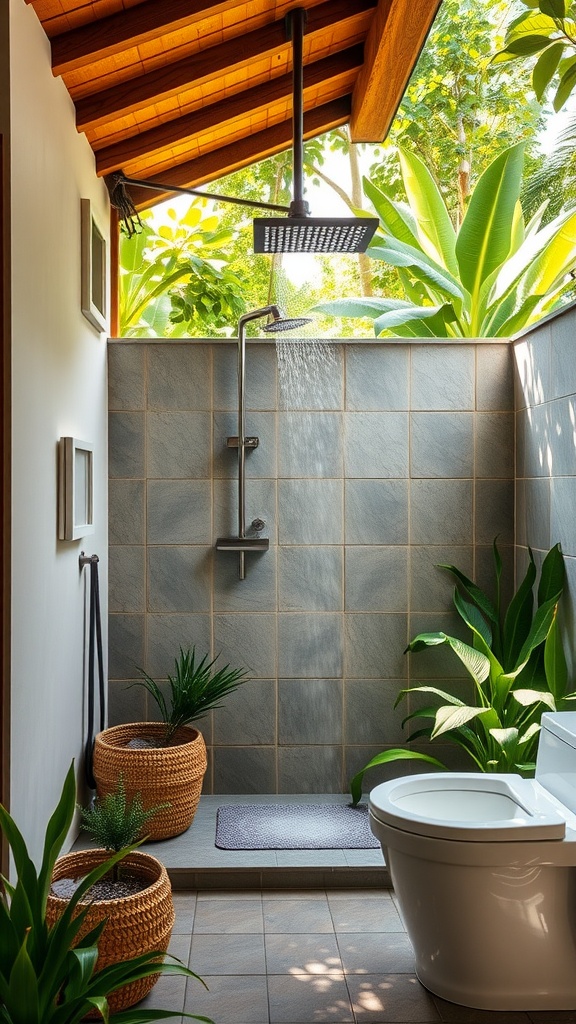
(136,924)
(171,774)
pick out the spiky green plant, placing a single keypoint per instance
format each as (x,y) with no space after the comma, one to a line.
(115,822)
(48,975)
(194,690)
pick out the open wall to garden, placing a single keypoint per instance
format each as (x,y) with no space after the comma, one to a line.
(403,458)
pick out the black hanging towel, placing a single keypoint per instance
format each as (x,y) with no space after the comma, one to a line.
(94,654)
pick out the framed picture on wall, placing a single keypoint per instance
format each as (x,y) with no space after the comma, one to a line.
(94,283)
(75,488)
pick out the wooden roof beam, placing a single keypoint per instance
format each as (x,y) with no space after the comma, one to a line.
(254,147)
(396,36)
(125,97)
(117,32)
(111,158)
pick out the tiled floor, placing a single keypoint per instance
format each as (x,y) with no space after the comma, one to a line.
(306,956)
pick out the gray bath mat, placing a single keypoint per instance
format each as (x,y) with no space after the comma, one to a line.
(293,827)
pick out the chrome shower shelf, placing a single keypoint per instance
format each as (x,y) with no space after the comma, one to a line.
(242,544)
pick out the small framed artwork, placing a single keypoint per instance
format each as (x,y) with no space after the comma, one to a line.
(94,280)
(75,488)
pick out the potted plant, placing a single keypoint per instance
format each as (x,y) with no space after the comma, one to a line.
(166,761)
(517,665)
(51,972)
(134,898)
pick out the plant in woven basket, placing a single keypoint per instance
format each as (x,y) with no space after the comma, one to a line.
(195,689)
(114,822)
(49,971)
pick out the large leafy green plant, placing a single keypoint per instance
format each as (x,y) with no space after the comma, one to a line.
(547,29)
(175,280)
(517,666)
(493,277)
(47,974)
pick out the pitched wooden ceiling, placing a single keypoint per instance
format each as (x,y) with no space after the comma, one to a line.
(186,91)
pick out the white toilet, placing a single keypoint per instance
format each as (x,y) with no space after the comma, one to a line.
(484,868)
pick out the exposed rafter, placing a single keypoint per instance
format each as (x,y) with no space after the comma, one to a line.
(206,66)
(396,36)
(208,118)
(133,27)
(255,147)
(186,91)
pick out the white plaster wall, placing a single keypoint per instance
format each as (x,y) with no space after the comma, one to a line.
(59,388)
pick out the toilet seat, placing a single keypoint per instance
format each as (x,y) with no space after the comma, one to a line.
(468,806)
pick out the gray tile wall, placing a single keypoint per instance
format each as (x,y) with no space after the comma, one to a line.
(545,361)
(389,459)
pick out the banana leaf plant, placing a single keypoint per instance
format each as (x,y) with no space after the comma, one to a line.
(493,277)
(48,975)
(517,665)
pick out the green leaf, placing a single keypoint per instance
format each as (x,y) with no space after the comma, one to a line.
(369,308)
(435,228)
(518,618)
(565,88)
(505,738)
(394,754)
(555,665)
(540,628)
(476,664)
(545,68)
(529,697)
(402,316)
(528,25)
(399,255)
(397,218)
(84,964)
(430,689)
(552,576)
(450,718)
(56,832)
(523,46)
(473,617)
(23,990)
(474,592)
(484,238)
(554,8)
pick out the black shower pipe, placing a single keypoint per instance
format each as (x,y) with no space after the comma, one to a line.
(159,186)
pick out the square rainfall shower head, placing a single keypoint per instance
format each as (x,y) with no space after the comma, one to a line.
(313,234)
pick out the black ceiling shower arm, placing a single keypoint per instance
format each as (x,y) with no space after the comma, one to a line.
(295,22)
(120,180)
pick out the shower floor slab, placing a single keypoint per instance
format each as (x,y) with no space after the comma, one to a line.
(194,862)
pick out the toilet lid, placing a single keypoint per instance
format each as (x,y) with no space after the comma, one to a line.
(469,806)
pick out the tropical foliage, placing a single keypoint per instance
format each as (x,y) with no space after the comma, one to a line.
(176,280)
(546,29)
(47,974)
(459,110)
(517,666)
(494,276)
(194,690)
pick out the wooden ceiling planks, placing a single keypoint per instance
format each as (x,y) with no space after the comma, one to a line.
(190,90)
